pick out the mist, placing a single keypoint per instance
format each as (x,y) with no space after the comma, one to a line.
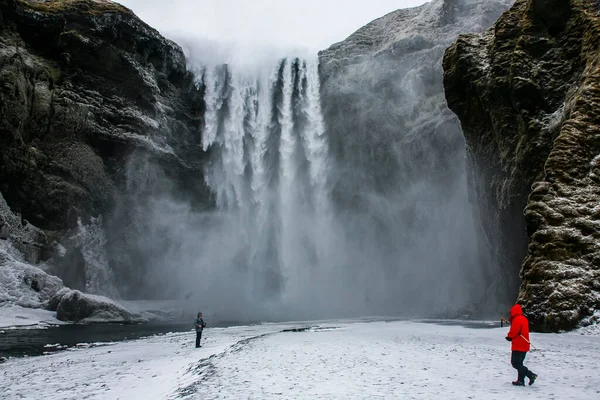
(342,200)
(310,25)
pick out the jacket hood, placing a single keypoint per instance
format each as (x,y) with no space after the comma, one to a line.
(516,310)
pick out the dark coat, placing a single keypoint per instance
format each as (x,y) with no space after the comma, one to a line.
(199,324)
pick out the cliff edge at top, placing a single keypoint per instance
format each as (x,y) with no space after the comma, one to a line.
(527,93)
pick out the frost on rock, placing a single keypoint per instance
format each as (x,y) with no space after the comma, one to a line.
(74,306)
(20,282)
(591,325)
(23,284)
(21,235)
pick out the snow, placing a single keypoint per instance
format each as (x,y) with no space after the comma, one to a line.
(332,360)
(21,283)
(591,325)
(12,316)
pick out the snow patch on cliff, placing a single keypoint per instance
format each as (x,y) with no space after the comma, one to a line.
(23,284)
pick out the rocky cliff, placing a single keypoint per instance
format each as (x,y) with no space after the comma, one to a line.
(527,93)
(399,152)
(94,105)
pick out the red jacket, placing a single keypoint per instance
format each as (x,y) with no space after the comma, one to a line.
(519,329)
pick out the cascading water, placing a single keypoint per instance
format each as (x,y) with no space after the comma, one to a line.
(268,168)
(280,244)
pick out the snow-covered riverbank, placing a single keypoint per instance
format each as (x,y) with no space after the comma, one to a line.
(333,360)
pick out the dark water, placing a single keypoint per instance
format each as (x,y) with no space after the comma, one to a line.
(466,323)
(36,342)
(32,342)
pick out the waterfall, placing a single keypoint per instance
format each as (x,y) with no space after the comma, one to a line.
(268,163)
(281,242)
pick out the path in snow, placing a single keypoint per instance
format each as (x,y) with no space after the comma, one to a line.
(395,360)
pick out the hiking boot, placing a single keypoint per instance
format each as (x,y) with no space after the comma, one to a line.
(532,379)
(518,383)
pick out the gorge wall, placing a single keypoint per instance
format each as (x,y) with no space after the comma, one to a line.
(398,153)
(97,113)
(527,92)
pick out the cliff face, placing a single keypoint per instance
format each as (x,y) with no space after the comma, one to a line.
(399,152)
(20,246)
(382,90)
(83,84)
(527,93)
(87,90)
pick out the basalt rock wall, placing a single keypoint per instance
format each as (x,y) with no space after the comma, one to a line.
(527,93)
(95,107)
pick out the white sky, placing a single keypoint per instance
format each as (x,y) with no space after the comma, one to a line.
(304,24)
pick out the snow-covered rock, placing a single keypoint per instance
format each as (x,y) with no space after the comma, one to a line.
(23,236)
(74,306)
(591,325)
(21,243)
(25,285)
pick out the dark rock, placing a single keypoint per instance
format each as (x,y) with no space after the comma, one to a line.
(84,84)
(86,89)
(74,306)
(554,13)
(526,92)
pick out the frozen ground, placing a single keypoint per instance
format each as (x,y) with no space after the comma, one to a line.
(13,316)
(333,360)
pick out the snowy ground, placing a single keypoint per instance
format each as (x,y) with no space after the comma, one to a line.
(13,316)
(395,360)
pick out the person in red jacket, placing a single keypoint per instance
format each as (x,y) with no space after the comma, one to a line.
(518,335)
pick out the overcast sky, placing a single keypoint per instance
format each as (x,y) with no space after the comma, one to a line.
(309,24)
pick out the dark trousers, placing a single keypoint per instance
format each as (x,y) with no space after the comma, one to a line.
(198,337)
(516,360)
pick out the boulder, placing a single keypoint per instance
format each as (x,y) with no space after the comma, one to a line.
(74,306)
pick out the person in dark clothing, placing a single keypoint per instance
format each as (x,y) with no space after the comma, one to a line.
(518,335)
(199,324)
